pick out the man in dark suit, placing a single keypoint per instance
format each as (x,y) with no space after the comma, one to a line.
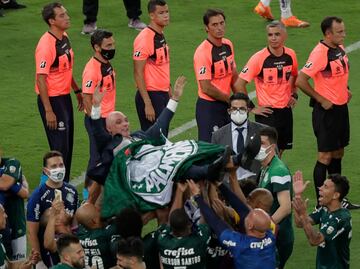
(240,124)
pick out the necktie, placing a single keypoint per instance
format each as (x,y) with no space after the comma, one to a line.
(240,141)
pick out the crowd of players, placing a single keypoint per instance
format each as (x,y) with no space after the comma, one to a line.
(242,221)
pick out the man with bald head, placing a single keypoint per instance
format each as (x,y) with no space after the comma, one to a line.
(117,134)
(254,249)
(257,223)
(94,237)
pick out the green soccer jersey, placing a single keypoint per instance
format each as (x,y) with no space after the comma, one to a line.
(151,254)
(276,178)
(62,266)
(215,253)
(14,205)
(12,167)
(97,244)
(188,252)
(334,252)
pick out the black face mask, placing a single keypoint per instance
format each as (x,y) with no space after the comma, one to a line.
(107,54)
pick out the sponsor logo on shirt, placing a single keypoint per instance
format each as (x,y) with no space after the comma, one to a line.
(179,252)
(308,65)
(88,242)
(202,70)
(137,53)
(263,243)
(229,243)
(37,211)
(244,70)
(43,64)
(88,83)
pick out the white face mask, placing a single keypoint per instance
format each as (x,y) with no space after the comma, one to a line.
(57,174)
(238,117)
(262,154)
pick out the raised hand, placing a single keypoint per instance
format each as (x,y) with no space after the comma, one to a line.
(182,186)
(98,95)
(298,184)
(179,88)
(194,188)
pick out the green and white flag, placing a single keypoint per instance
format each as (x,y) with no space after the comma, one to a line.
(142,174)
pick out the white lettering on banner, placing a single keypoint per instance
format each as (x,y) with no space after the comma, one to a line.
(229,243)
(161,163)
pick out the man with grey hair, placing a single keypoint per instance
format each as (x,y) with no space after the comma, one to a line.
(274,70)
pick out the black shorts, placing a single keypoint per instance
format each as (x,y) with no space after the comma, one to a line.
(282,120)
(331,127)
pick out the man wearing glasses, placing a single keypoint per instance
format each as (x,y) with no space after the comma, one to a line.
(240,124)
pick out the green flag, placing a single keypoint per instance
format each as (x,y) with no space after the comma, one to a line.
(142,174)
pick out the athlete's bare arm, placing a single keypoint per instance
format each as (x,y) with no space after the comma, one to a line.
(139,67)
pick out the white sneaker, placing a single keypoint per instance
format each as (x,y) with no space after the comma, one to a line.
(89,28)
(136,24)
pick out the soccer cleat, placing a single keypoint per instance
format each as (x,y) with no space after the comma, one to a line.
(89,28)
(347,204)
(264,11)
(136,24)
(293,21)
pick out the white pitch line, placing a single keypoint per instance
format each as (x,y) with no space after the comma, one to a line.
(191,124)
(353,47)
(181,129)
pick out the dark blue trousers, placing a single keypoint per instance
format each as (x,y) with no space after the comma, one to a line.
(159,101)
(210,116)
(60,139)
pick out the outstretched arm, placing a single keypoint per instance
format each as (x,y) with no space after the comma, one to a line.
(216,224)
(102,137)
(241,208)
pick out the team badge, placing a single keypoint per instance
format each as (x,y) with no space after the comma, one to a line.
(70,198)
(12,169)
(202,70)
(43,64)
(244,70)
(329,230)
(137,53)
(61,126)
(308,65)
